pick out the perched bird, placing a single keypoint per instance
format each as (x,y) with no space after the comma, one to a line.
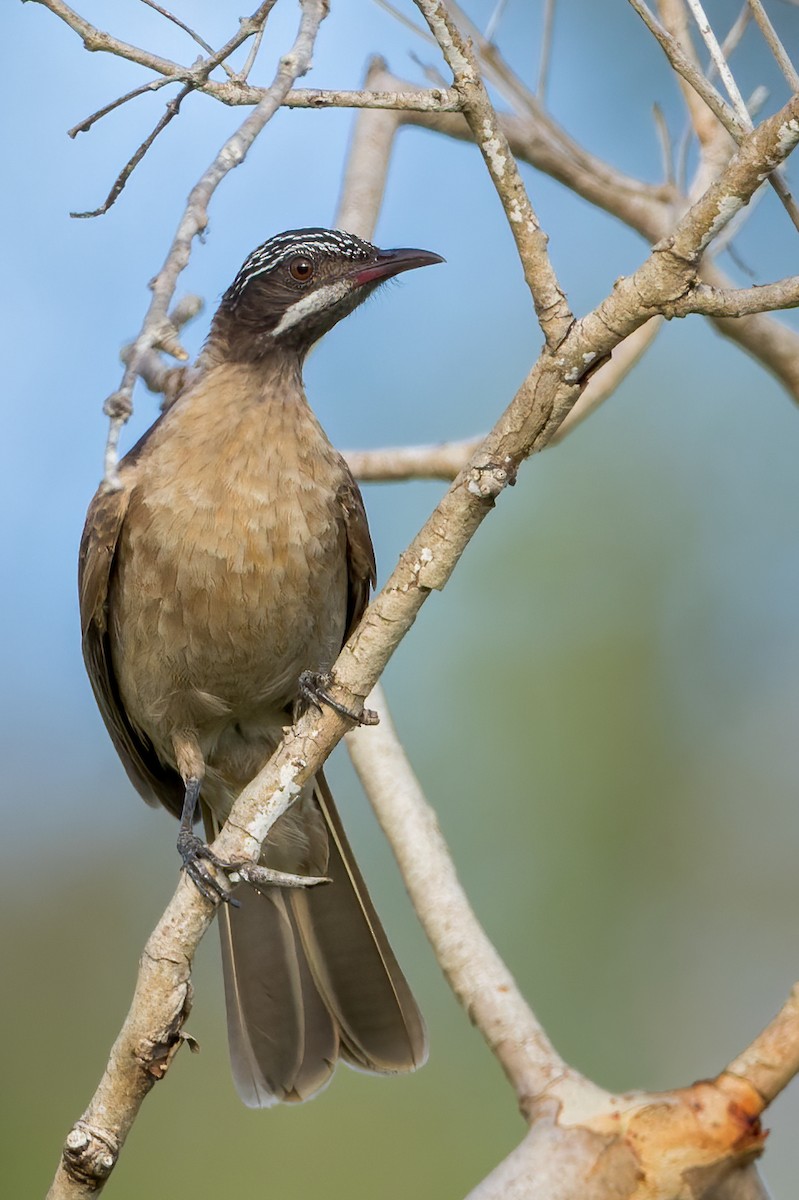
(233,557)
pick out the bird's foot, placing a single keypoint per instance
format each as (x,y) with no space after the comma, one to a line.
(196,857)
(263,877)
(314,687)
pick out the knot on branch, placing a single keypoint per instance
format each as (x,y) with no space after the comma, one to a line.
(89,1154)
(154,1055)
(488,479)
(118,406)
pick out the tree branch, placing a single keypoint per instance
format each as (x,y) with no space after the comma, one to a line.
(553,311)
(735,118)
(737,302)
(648,209)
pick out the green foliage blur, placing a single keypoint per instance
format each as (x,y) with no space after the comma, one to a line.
(602,707)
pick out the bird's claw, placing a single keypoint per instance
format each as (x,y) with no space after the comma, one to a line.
(196,857)
(313,686)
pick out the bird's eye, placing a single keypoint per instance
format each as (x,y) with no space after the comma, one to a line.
(301,269)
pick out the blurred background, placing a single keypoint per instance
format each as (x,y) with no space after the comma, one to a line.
(602,706)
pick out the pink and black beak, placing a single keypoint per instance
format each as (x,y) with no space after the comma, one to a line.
(392,262)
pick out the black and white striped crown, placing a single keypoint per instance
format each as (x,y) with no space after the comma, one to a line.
(314,244)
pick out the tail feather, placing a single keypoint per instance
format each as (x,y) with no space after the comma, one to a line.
(310,976)
(283,1043)
(353,964)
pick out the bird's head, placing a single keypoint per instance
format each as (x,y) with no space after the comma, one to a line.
(298,285)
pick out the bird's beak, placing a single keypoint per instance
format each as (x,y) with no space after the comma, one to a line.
(391,262)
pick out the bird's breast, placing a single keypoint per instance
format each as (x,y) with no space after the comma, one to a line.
(232,575)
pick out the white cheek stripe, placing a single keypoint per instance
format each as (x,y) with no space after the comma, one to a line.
(314,302)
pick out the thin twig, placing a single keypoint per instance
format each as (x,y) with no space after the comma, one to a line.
(683,65)
(551,306)
(230,92)
(171,111)
(736,120)
(492,25)
(164,12)
(84,126)
(720,62)
(544,57)
(772,1060)
(666,147)
(405,20)
(775,45)
(249,61)
(733,38)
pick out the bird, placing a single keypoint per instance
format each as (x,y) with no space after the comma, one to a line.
(221,570)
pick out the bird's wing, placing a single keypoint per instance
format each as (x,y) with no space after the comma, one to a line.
(104,521)
(361,567)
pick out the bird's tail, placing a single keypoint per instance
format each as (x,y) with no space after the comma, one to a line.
(310,975)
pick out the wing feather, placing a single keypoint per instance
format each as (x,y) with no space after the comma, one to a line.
(361,566)
(98,548)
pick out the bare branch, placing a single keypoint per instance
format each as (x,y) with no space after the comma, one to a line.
(736,121)
(733,38)
(684,66)
(395,463)
(249,61)
(546,50)
(646,208)
(720,62)
(85,125)
(96,40)
(550,303)
(737,302)
(774,44)
(715,143)
(771,344)
(435,99)
(171,111)
(772,1060)
(236,91)
(201,42)
(494,20)
(367,164)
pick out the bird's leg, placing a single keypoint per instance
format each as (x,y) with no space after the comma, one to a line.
(313,689)
(194,852)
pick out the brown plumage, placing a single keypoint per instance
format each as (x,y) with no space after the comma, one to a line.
(235,555)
